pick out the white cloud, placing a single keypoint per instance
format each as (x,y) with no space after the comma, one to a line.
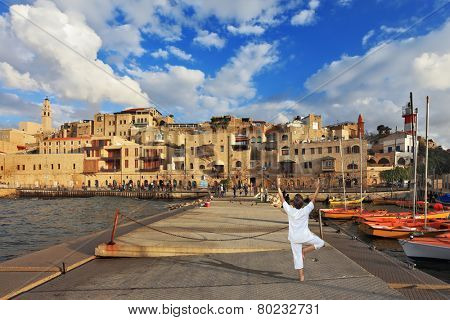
(60,70)
(160,53)
(179,53)
(433,71)
(234,80)
(238,11)
(392,30)
(344,3)
(13,78)
(306,16)
(380,85)
(209,39)
(246,29)
(367,36)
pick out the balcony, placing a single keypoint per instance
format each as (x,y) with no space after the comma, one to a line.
(328,164)
(111,158)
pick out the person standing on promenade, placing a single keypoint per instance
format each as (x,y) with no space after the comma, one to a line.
(302,239)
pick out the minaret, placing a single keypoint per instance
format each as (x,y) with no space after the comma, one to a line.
(46,116)
(360,126)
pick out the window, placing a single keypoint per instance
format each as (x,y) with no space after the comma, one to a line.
(136,163)
(285,151)
(34,167)
(52,166)
(303,151)
(136,152)
(191,166)
(337,149)
(355,149)
(18,167)
(352,166)
(23,167)
(389,149)
(74,166)
(238,164)
(330,149)
(126,152)
(296,152)
(59,166)
(313,151)
(126,162)
(319,150)
(192,153)
(222,148)
(202,167)
(284,137)
(40,167)
(307,165)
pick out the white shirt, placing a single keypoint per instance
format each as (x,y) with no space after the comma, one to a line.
(298,222)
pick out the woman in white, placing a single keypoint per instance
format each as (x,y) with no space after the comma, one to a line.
(302,239)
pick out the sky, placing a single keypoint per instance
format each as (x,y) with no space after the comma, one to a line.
(266,59)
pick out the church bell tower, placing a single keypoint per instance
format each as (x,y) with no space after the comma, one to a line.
(46,116)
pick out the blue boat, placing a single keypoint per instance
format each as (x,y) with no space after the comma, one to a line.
(445,199)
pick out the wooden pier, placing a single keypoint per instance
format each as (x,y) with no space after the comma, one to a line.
(42,193)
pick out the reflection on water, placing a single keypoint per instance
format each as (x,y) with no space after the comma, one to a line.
(437,268)
(28,225)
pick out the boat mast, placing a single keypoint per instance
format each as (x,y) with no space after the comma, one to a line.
(342,170)
(414,134)
(426,158)
(361,170)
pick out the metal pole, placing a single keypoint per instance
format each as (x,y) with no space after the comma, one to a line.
(116,220)
(416,152)
(342,169)
(361,170)
(426,158)
(320,224)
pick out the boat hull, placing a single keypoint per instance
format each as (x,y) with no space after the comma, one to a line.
(424,250)
(384,233)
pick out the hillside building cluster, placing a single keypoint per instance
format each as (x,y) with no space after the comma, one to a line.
(139,147)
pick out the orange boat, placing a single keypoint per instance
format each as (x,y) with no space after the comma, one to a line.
(393,216)
(437,247)
(346,214)
(403,229)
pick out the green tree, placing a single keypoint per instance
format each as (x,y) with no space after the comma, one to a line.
(397,174)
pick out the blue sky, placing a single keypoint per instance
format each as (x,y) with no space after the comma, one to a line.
(257,58)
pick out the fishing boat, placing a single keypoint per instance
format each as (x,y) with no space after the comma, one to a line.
(403,229)
(346,214)
(445,199)
(437,247)
(339,202)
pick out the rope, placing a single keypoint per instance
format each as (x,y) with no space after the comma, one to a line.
(197,239)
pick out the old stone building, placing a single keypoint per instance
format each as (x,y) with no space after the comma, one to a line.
(140,146)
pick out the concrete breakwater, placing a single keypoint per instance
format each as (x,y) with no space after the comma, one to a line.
(42,193)
(8,193)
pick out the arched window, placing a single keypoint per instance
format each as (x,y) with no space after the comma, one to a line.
(238,164)
(352,166)
(284,137)
(192,166)
(253,140)
(383,161)
(202,167)
(401,161)
(371,161)
(259,139)
(285,151)
(355,149)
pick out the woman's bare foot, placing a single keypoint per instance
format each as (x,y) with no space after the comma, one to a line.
(301,275)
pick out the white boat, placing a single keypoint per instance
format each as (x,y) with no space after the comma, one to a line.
(428,247)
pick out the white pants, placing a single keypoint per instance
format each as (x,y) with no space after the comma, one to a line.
(297,249)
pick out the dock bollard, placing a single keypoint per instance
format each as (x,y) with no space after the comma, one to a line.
(320,224)
(116,219)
